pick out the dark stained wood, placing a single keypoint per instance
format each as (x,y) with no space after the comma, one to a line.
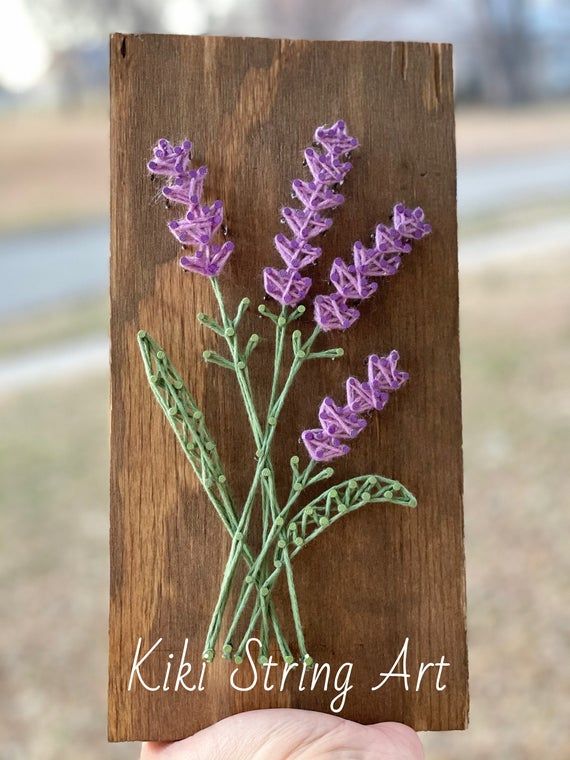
(382,574)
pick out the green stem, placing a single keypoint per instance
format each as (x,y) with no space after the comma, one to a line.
(278,523)
(263,442)
(240,369)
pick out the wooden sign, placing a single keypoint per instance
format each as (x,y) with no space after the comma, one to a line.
(386,581)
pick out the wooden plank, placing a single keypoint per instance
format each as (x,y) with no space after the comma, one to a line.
(383,574)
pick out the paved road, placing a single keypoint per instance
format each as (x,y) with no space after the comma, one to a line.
(89,354)
(39,268)
(485,186)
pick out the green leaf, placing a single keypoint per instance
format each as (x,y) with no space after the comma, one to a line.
(337,501)
(183,414)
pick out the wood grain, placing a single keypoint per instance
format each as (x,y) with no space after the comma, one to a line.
(383,574)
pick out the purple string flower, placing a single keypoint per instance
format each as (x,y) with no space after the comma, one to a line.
(351,281)
(384,373)
(201,222)
(328,169)
(296,254)
(373,263)
(170,160)
(322,447)
(363,397)
(333,313)
(186,188)
(410,222)
(208,261)
(285,285)
(199,225)
(341,422)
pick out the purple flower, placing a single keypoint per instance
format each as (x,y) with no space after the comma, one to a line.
(363,397)
(333,313)
(335,139)
(186,188)
(208,261)
(389,240)
(304,223)
(328,169)
(350,283)
(323,447)
(373,263)
(383,371)
(201,223)
(169,160)
(338,422)
(382,260)
(410,222)
(296,254)
(285,285)
(315,196)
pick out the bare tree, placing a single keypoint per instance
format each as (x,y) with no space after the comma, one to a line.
(506,49)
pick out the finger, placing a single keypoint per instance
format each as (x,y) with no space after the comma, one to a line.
(278,734)
(401,739)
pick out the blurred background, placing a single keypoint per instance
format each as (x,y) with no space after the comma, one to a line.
(512,60)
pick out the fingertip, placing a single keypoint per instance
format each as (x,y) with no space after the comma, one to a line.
(404,740)
(152,750)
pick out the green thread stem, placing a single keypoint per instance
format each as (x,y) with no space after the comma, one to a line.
(206,466)
(263,452)
(387,491)
(275,529)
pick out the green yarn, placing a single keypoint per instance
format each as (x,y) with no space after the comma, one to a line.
(282,536)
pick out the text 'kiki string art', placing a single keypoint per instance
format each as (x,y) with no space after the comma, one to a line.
(287,526)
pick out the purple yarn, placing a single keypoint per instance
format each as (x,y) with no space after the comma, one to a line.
(383,371)
(410,222)
(296,254)
(382,260)
(363,397)
(199,225)
(349,282)
(201,222)
(390,240)
(169,160)
(323,447)
(305,223)
(186,188)
(341,422)
(285,285)
(208,261)
(328,170)
(371,262)
(333,313)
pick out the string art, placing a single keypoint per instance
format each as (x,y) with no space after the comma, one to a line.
(286,527)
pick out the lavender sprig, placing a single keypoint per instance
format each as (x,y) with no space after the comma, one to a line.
(352,281)
(198,227)
(339,423)
(198,231)
(328,169)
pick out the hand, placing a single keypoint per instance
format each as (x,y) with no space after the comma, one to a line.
(291,735)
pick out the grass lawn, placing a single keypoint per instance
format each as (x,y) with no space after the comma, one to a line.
(53,325)
(53,527)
